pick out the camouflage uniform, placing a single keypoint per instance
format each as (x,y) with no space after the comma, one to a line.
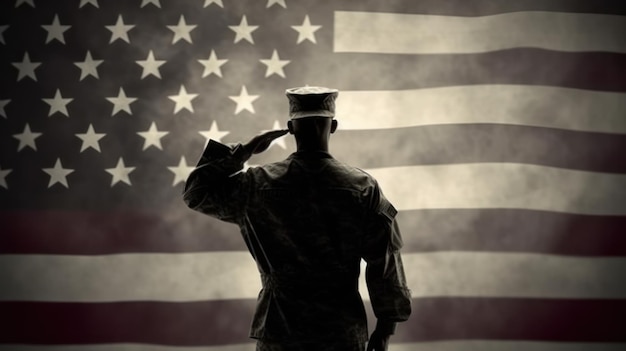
(307,221)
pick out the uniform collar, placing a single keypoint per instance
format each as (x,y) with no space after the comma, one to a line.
(310,155)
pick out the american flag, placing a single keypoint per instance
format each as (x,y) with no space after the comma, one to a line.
(497,128)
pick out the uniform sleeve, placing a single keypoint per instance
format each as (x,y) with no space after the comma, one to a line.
(386,281)
(215,187)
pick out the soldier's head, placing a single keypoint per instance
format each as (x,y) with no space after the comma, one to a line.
(311,113)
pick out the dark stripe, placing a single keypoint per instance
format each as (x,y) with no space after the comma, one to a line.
(226,322)
(590,70)
(512,230)
(515,319)
(193,323)
(450,144)
(507,230)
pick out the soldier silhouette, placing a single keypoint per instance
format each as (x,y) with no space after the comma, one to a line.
(308,221)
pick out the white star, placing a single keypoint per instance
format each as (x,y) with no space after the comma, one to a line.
(183,100)
(181,172)
(26,68)
(3,177)
(280,141)
(120,173)
(121,102)
(150,66)
(29,2)
(85,2)
(182,30)
(2,29)
(217,2)
(243,30)
(306,30)
(27,138)
(275,65)
(213,133)
(244,101)
(91,139)
(3,103)
(279,2)
(89,67)
(55,30)
(152,137)
(58,174)
(120,30)
(212,65)
(58,104)
(153,2)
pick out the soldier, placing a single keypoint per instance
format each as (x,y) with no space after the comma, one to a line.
(308,221)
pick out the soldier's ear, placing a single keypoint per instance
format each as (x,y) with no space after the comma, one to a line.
(290,127)
(333,126)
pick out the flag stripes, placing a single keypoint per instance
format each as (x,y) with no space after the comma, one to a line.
(540,106)
(181,277)
(601,71)
(497,135)
(462,345)
(225,322)
(172,231)
(503,185)
(477,143)
(429,34)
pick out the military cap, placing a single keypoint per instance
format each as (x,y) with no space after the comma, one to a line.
(311,102)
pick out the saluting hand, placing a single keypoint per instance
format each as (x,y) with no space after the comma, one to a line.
(261,142)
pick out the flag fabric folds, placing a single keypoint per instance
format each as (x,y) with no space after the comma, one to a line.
(497,128)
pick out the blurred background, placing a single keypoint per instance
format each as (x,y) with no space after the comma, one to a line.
(497,128)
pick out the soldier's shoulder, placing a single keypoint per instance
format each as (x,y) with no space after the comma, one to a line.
(354,175)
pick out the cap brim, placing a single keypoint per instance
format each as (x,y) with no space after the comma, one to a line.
(306,114)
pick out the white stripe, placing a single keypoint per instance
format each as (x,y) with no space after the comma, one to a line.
(462,345)
(233,275)
(541,106)
(429,34)
(503,185)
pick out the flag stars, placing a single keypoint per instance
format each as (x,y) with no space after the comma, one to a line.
(28,2)
(120,173)
(276,2)
(306,31)
(182,30)
(216,2)
(3,177)
(243,31)
(212,65)
(244,100)
(152,137)
(3,103)
(90,139)
(58,174)
(181,172)
(156,3)
(58,104)
(121,102)
(55,30)
(183,100)
(2,29)
(26,68)
(90,2)
(150,66)
(89,67)
(275,65)
(120,30)
(27,138)
(213,133)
